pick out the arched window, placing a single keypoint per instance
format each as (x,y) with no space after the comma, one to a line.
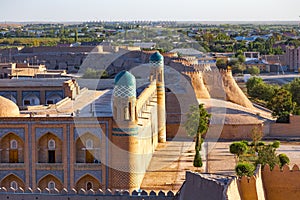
(14,185)
(89,186)
(13,144)
(51,144)
(89,144)
(126,113)
(51,185)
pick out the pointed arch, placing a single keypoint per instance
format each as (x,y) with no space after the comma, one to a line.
(53,99)
(31,100)
(49,148)
(12,147)
(85,153)
(88,181)
(9,179)
(47,180)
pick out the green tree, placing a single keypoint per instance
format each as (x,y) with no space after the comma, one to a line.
(254,70)
(241,58)
(267,155)
(251,83)
(294,88)
(75,35)
(282,105)
(221,63)
(94,74)
(197,123)
(238,148)
(197,160)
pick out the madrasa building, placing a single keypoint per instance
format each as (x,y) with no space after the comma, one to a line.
(88,139)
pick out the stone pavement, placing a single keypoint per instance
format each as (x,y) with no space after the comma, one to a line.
(172,159)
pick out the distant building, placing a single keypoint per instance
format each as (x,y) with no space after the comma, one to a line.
(292,58)
(252,54)
(20,70)
(145,45)
(261,64)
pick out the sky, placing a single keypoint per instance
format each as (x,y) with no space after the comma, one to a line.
(128,10)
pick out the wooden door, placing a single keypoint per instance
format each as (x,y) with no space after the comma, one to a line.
(89,158)
(13,156)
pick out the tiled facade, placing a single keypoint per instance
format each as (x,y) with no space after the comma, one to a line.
(38,151)
(81,151)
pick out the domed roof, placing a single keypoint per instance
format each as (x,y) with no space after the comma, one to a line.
(124,78)
(156,57)
(8,108)
(125,85)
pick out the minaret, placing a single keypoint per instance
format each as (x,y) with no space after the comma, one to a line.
(157,72)
(124,161)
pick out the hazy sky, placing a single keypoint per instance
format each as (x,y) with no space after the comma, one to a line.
(187,10)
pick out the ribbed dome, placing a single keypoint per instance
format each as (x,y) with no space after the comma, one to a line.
(125,85)
(156,57)
(8,108)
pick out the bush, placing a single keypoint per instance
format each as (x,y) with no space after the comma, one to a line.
(198,160)
(267,155)
(245,142)
(284,159)
(238,148)
(245,169)
(276,144)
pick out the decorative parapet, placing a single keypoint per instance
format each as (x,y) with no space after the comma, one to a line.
(145,97)
(281,183)
(251,188)
(83,194)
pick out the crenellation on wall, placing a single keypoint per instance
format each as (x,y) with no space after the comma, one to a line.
(281,183)
(83,194)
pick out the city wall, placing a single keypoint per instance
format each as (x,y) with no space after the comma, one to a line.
(83,195)
(291,129)
(281,184)
(278,184)
(251,188)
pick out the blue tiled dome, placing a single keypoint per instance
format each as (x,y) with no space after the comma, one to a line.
(125,85)
(156,57)
(125,78)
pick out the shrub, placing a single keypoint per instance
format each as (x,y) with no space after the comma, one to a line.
(238,148)
(276,144)
(284,159)
(245,169)
(267,155)
(198,160)
(245,142)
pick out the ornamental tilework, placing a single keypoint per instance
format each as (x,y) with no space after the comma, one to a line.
(17,131)
(95,173)
(95,131)
(58,92)
(124,91)
(9,93)
(56,131)
(18,173)
(157,63)
(42,173)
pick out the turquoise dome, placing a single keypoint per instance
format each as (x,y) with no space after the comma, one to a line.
(156,57)
(125,78)
(125,85)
